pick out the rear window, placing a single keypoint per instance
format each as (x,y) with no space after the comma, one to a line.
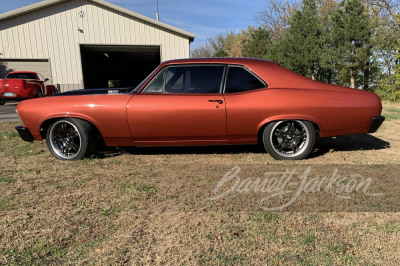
(239,80)
(21,76)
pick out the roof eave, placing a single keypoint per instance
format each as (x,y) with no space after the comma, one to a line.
(146,19)
(30,8)
(48,3)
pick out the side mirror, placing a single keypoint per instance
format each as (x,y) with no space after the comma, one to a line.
(46,79)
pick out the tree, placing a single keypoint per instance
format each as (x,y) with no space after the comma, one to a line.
(258,43)
(223,43)
(389,87)
(386,32)
(202,51)
(300,48)
(351,37)
(396,87)
(221,53)
(228,44)
(276,16)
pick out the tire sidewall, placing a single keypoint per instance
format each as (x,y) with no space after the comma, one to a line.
(85,138)
(268,130)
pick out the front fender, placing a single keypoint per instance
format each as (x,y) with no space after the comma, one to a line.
(68,115)
(106,112)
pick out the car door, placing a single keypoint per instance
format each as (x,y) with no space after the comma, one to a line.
(181,104)
(247,102)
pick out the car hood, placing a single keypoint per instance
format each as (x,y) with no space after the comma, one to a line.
(101,91)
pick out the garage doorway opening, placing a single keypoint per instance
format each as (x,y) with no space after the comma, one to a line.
(117,66)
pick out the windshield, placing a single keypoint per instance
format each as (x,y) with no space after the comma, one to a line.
(141,83)
(21,76)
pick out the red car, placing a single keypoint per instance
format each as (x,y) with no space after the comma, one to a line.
(203,102)
(20,85)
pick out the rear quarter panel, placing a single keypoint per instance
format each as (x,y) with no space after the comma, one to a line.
(335,112)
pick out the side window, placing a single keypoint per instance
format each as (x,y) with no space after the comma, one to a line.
(188,79)
(157,84)
(239,79)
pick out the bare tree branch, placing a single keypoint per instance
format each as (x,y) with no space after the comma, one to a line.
(276,15)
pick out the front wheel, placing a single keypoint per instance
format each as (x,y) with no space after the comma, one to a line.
(2,101)
(39,94)
(289,139)
(71,139)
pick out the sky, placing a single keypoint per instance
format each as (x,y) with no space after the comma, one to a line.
(204,18)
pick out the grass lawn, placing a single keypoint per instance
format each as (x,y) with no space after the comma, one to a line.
(152,205)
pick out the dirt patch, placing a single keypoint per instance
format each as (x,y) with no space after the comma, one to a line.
(150,206)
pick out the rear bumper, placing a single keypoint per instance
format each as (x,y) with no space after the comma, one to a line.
(24,133)
(376,123)
(16,98)
(18,94)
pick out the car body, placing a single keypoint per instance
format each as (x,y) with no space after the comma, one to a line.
(212,101)
(20,85)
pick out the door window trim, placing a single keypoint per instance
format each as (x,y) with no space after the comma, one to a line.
(250,72)
(165,69)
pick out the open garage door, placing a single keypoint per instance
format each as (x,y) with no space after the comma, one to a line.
(41,66)
(108,66)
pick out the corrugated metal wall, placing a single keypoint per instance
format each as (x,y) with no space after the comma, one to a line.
(56,32)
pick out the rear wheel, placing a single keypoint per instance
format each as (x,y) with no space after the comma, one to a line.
(71,139)
(289,139)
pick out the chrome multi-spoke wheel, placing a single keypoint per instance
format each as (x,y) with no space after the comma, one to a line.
(65,139)
(70,139)
(289,139)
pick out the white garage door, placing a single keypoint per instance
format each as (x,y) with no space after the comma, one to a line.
(41,66)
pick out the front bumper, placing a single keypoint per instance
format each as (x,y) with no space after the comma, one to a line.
(24,133)
(376,123)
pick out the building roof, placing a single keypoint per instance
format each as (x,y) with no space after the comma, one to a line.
(48,3)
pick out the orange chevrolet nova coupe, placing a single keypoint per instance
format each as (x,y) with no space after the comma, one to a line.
(203,102)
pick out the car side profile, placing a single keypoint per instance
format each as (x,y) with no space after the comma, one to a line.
(211,101)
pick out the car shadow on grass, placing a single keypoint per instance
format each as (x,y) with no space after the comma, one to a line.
(359,142)
(218,149)
(323,146)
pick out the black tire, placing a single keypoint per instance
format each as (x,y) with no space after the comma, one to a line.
(2,101)
(39,94)
(289,139)
(71,139)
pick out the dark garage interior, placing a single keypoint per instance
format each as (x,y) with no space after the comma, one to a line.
(117,66)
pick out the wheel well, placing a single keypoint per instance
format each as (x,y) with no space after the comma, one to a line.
(261,131)
(46,124)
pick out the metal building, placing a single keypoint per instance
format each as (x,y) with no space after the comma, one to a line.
(87,43)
